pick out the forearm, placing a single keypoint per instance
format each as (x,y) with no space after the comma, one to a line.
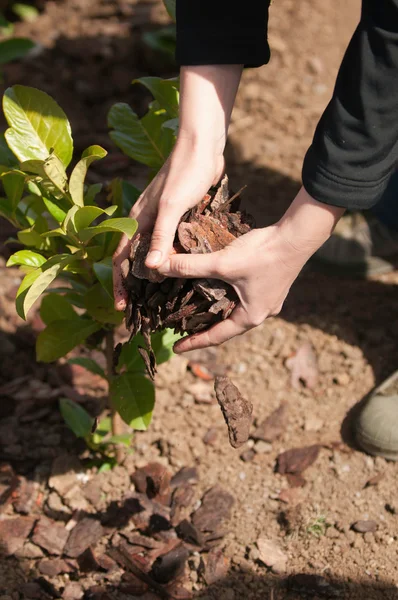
(307,224)
(206,102)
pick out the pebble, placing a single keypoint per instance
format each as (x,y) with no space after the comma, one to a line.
(262,447)
(365,526)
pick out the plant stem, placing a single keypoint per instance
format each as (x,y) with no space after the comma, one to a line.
(117,427)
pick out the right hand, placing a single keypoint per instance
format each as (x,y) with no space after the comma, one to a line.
(182,182)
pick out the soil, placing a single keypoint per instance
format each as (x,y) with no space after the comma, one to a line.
(332,531)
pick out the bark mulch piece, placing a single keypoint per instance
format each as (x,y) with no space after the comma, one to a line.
(273,426)
(215,508)
(188,306)
(170,566)
(189,533)
(50,536)
(182,498)
(55,566)
(85,533)
(304,367)
(13,533)
(237,411)
(217,567)
(297,460)
(25,496)
(185,475)
(153,480)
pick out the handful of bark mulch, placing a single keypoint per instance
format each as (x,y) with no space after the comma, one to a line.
(185,305)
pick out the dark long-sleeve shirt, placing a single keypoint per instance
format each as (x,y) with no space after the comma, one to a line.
(355,146)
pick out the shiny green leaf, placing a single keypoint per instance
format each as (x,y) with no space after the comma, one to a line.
(133,396)
(38,126)
(76,184)
(55,171)
(55,210)
(85,215)
(13,184)
(143,140)
(26,12)
(92,191)
(26,257)
(76,417)
(60,337)
(122,225)
(100,306)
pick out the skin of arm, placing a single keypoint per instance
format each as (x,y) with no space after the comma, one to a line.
(261,265)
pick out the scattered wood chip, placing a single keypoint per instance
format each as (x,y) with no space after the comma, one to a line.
(189,533)
(295,480)
(170,566)
(50,536)
(297,460)
(374,480)
(304,367)
(273,426)
(185,475)
(13,533)
(237,411)
(271,555)
(55,566)
(217,567)
(216,507)
(86,533)
(153,480)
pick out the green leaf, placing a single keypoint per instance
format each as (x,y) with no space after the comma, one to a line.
(56,308)
(89,364)
(125,195)
(76,184)
(60,337)
(6,28)
(30,237)
(106,467)
(92,191)
(38,125)
(162,40)
(100,306)
(130,357)
(13,184)
(26,12)
(6,210)
(14,49)
(54,169)
(171,8)
(104,273)
(29,291)
(173,125)
(122,225)
(123,438)
(143,140)
(162,344)
(76,417)
(84,216)
(26,257)
(165,92)
(133,396)
(55,211)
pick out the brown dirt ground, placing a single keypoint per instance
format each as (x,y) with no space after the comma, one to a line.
(88,63)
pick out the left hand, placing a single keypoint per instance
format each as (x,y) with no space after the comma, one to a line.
(261,266)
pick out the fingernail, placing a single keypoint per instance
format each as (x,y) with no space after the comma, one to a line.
(153,259)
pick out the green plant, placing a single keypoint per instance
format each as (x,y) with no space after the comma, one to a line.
(66,236)
(317,526)
(164,39)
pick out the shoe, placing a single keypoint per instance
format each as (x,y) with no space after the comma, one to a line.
(360,246)
(377,424)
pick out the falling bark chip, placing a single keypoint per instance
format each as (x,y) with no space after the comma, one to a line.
(237,411)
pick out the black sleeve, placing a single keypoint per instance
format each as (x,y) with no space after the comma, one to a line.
(355,146)
(222,32)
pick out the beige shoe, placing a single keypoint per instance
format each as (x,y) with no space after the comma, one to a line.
(360,246)
(377,424)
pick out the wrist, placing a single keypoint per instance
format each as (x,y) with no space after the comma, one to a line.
(307,224)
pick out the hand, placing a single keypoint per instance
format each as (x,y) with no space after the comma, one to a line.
(261,266)
(181,183)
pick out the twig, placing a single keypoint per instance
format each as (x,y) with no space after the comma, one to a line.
(230,200)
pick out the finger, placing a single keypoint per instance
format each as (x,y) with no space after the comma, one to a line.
(162,236)
(119,291)
(235,325)
(192,266)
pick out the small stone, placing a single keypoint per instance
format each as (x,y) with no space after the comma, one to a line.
(210,437)
(202,393)
(262,447)
(365,526)
(248,455)
(271,555)
(313,424)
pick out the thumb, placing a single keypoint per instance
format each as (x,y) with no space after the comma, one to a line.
(192,266)
(162,236)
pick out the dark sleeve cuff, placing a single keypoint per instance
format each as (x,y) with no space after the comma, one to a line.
(195,47)
(329,188)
